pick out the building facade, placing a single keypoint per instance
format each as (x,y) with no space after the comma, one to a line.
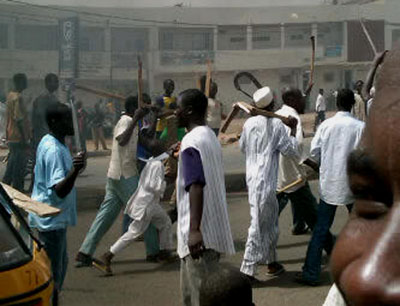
(272,43)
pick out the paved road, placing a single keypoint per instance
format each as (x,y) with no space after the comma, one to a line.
(139,283)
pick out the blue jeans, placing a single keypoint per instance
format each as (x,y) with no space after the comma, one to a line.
(321,239)
(304,207)
(55,245)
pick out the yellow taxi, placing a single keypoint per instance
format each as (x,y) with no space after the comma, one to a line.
(25,270)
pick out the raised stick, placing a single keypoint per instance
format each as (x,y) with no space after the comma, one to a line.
(371,42)
(312,68)
(100,92)
(208,78)
(251,110)
(140,82)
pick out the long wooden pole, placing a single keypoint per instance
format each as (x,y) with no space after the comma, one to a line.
(371,42)
(208,78)
(251,110)
(312,68)
(99,92)
(140,82)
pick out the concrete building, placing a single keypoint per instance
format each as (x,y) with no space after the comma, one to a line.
(270,42)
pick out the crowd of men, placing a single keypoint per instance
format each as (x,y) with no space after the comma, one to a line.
(351,162)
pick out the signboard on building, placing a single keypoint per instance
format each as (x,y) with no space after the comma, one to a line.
(69,52)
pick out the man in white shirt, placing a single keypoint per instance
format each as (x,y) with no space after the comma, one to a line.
(203,230)
(304,204)
(320,108)
(262,140)
(122,179)
(335,139)
(214,110)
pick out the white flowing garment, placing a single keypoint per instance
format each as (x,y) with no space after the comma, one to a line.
(262,140)
(149,192)
(144,208)
(215,226)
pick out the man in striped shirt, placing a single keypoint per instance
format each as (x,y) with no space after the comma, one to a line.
(203,224)
(262,140)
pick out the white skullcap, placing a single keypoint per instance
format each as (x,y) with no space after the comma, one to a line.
(372,92)
(263,97)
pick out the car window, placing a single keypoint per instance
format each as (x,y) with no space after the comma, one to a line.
(12,251)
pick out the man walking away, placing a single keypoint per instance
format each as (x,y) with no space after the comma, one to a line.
(98,126)
(262,140)
(320,108)
(203,224)
(335,139)
(18,135)
(214,110)
(304,204)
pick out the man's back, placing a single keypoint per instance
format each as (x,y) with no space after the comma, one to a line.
(262,140)
(320,105)
(215,225)
(335,139)
(16,112)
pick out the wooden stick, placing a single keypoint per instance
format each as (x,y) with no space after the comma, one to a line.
(295,183)
(256,111)
(198,81)
(140,82)
(371,42)
(251,110)
(31,206)
(235,110)
(99,92)
(208,79)
(312,68)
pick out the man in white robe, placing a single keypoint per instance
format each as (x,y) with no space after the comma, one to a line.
(262,140)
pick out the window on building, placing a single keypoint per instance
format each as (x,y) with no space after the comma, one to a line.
(3,36)
(188,39)
(330,37)
(232,38)
(36,37)
(129,40)
(266,37)
(396,38)
(297,35)
(91,39)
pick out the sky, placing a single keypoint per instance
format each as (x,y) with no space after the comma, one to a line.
(164,3)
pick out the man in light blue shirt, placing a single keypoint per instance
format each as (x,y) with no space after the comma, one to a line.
(55,175)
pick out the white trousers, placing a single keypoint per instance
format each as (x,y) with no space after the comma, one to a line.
(263,235)
(155,215)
